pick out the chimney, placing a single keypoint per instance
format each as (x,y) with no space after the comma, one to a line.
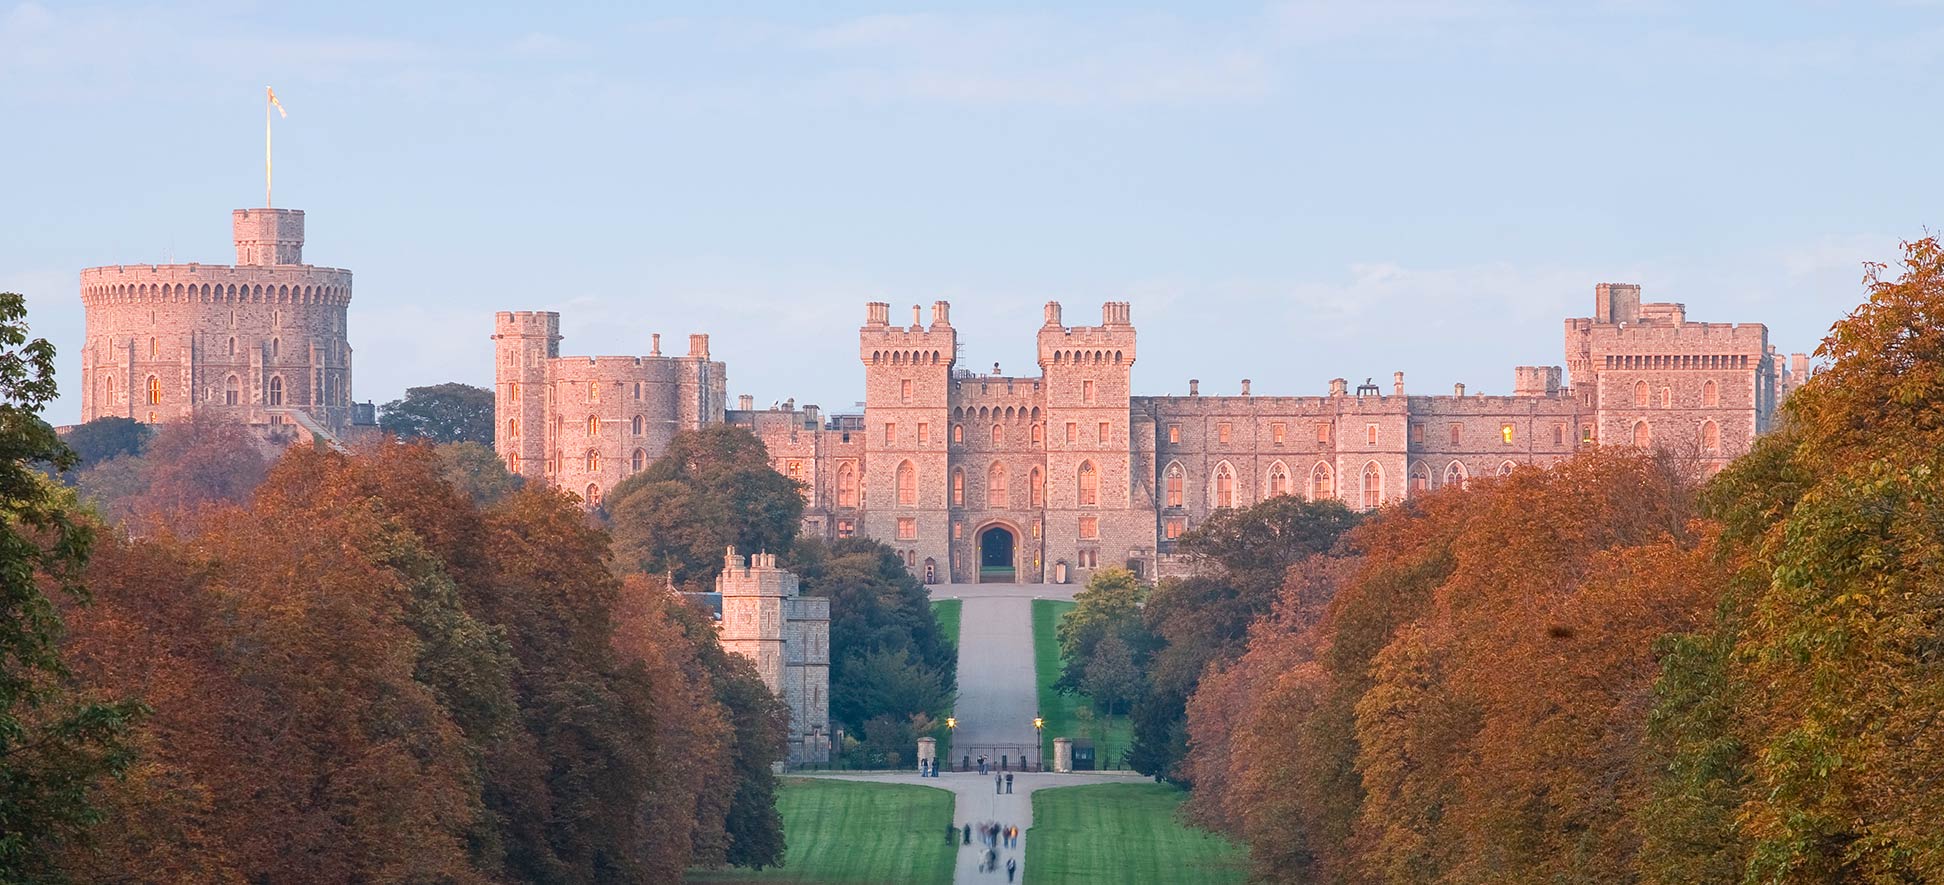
(1114,313)
(1052,313)
(746,403)
(877,313)
(699,347)
(1194,387)
(1245,387)
(1397,383)
(1458,389)
(942,313)
(654,347)
(917,317)
(1339,387)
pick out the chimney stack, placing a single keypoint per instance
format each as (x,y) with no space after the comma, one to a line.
(1194,387)
(1397,383)
(654,348)
(699,346)
(1245,387)
(1458,389)
(942,313)
(1052,313)
(1339,387)
(877,313)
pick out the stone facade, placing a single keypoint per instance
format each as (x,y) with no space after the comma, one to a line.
(585,422)
(263,341)
(787,637)
(1051,476)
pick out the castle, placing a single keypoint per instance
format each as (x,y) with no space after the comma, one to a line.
(262,342)
(975,477)
(787,637)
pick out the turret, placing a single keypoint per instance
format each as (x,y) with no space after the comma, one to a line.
(268,236)
(523,343)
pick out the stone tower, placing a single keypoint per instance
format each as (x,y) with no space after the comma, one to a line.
(523,343)
(907,395)
(787,637)
(1089,472)
(262,342)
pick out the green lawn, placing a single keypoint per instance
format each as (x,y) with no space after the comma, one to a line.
(947,612)
(1110,833)
(1070,715)
(840,831)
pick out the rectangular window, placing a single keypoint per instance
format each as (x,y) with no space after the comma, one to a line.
(1417,434)
(904,390)
(1457,433)
(890,432)
(907,528)
(1089,528)
(958,530)
(1106,431)
(1370,431)
(1087,391)
(1505,433)
(845,528)
(1559,434)
(924,433)
(1088,558)
(1277,433)
(1323,433)
(958,433)
(1073,433)
(1222,433)
(1175,526)
(1586,433)
(1174,433)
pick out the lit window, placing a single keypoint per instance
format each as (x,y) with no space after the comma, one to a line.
(593,391)
(1224,486)
(593,461)
(1505,433)
(958,433)
(1222,433)
(1089,528)
(154,391)
(1586,433)
(1175,526)
(593,425)
(512,427)
(1277,433)
(513,463)
(1089,483)
(1174,485)
(1373,486)
(512,389)
(1370,434)
(907,528)
(958,488)
(1035,490)
(1174,433)
(846,485)
(1323,433)
(845,528)
(1322,483)
(907,484)
(1278,480)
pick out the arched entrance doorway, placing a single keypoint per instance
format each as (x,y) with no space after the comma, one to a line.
(997,545)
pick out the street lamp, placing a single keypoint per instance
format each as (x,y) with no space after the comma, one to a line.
(1039,743)
(951,731)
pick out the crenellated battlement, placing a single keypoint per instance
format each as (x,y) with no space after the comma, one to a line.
(210,283)
(1111,342)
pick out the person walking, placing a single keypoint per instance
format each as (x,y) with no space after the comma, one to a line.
(1012,867)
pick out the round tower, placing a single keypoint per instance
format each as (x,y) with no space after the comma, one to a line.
(263,341)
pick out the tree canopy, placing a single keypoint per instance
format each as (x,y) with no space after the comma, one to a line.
(448,413)
(713,488)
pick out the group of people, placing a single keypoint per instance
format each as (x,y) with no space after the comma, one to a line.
(995,837)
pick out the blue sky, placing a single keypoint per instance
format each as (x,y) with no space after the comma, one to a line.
(1287,192)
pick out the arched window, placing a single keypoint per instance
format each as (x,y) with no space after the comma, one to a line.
(1278,480)
(958,488)
(1455,475)
(1322,482)
(1039,434)
(154,390)
(155,347)
(232,391)
(907,484)
(1420,478)
(637,390)
(1035,489)
(1710,394)
(998,434)
(593,461)
(593,425)
(1643,437)
(1640,393)
(1174,485)
(276,390)
(1089,483)
(1224,486)
(276,348)
(846,485)
(593,391)
(998,497)
(958,433)
(513,463)
(512,428)
(232,345)
(1506,468)
(1710,436)
(593,496)
(637,424)
(513,391)
(640,460)
(1373,486)
(111,388)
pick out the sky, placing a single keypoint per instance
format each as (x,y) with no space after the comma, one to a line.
(1287,192)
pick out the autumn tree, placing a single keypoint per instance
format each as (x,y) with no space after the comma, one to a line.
(54,744)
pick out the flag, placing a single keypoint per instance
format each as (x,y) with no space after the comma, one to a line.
(275,103)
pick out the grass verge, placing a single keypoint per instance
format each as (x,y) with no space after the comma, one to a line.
(1124,833)
(1070,715)
(947,612)
(842,831)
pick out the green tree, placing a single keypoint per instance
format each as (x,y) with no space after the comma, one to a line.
(888,657)
(713,488)
(1111,678)
(1110,605)
(53,746)
(107,438)
(477,471)
(448,413)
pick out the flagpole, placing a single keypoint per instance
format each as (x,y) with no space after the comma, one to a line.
(266,147)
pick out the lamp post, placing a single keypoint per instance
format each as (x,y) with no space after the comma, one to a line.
(1039,743)
(951,731)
